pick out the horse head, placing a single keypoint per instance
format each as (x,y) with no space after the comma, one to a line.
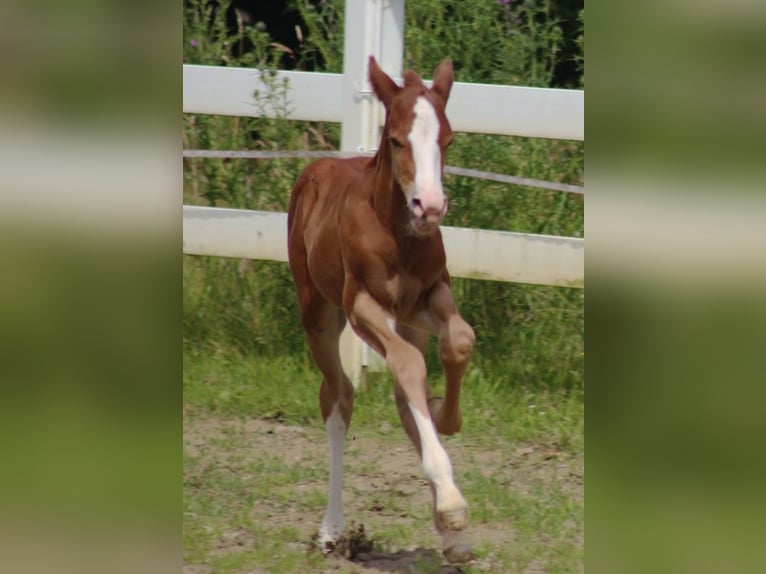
(418,134)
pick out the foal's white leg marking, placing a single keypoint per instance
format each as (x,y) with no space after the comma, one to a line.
(426,155)
(333,523)
(436,465)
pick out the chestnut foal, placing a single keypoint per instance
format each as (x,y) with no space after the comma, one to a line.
(364,244)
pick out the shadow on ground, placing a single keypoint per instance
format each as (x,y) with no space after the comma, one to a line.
(406,561)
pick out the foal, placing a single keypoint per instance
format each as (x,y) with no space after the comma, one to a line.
(364,244)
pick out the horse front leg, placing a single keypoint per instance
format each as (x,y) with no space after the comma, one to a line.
(456,339)
(407,364)
(419,339)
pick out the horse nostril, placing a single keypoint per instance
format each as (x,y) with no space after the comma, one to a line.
(417,207)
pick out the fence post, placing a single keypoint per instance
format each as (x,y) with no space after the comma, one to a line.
(372,27)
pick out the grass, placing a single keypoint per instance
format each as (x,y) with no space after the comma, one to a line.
(286,390)
(255,471)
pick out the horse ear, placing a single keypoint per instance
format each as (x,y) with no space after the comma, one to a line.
(443,79)
(385,88)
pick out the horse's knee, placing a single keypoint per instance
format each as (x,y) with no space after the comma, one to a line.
(458,345)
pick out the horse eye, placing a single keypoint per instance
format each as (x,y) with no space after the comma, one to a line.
(396,143)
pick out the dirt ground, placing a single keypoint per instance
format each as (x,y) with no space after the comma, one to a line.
(379,466)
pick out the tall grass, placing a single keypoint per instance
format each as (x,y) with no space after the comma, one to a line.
(526,335)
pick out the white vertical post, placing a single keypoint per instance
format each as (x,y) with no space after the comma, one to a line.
(372,27)
(390,55)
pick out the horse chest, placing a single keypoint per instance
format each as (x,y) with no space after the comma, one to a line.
(410,288)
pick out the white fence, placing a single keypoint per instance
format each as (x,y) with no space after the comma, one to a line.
(471,253)
(376,27)
(475,108)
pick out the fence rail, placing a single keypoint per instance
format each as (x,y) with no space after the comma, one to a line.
(471,253)
(460,171)
(475,108)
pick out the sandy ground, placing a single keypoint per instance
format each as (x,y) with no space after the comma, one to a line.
(378,465)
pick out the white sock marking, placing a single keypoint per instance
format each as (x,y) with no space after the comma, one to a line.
(333,523)
(436,463)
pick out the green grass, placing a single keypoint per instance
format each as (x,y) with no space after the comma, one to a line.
(220,529)
(284,389)
(518,460)
(235,386)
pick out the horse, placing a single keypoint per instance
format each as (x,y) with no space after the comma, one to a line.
(364,245)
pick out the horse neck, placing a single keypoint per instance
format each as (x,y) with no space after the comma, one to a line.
(388,197)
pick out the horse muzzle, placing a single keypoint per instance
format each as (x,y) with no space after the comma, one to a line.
(426,219)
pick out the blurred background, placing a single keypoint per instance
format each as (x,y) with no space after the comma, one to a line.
(93,283)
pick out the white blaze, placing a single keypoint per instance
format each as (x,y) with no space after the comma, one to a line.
(426,154)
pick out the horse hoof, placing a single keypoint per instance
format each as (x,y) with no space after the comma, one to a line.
(454,519)
(460,552)
(330,537)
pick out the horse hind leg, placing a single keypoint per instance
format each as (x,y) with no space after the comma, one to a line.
(336,401)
